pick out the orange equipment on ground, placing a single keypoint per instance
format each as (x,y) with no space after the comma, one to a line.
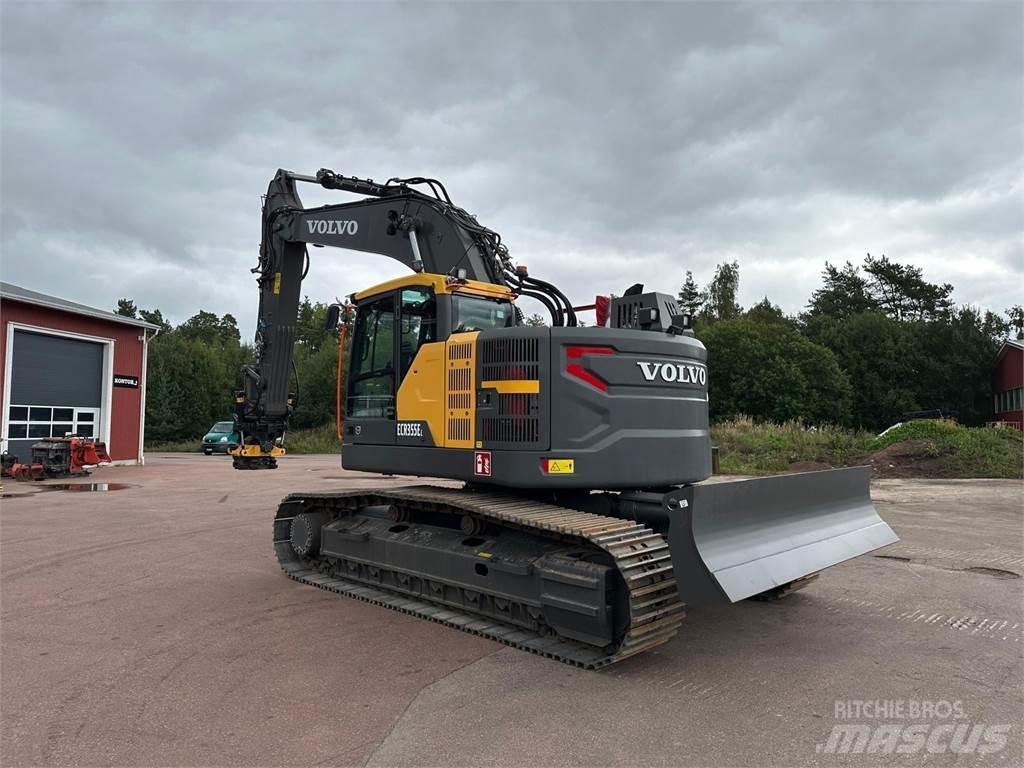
(58,457)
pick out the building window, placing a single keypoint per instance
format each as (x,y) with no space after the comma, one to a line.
(37,421)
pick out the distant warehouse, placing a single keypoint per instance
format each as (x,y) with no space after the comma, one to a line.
(1008,384)
(71,369)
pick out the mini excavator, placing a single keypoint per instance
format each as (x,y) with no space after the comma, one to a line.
(583,526)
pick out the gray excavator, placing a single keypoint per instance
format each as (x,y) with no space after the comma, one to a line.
(583,525)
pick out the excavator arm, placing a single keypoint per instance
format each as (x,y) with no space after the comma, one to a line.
(426,232)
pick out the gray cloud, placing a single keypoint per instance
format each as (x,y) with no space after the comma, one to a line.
(610,144)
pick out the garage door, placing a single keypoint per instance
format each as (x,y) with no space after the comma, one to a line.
(56,389)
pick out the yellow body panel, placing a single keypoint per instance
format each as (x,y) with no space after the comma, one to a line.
(460,414)
(513,386)
(440,284)
(421,396)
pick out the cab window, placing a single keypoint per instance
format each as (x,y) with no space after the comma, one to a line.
(418,318)
(477,313)
(372,379)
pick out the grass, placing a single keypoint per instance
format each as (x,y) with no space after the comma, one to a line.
(175,446)
(747,447)
(317,440)
(917,448)
(959,451)
(925,448)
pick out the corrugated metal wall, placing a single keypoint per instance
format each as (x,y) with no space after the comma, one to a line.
(125,410)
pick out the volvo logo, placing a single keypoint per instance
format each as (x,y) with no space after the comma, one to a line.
(678,373)
(336,227)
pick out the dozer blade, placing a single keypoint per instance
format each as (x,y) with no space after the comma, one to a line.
(733,540)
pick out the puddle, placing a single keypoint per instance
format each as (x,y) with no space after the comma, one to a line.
(86,487)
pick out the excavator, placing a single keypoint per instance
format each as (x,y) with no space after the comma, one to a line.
(583,524)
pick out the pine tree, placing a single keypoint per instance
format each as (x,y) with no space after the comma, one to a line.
(126,308)
(689,295)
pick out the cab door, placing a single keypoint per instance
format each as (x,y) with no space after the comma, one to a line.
(372,385)
(389,331)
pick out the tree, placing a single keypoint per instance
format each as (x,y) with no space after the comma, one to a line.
(317,383)
(766,312)
(995,327)
(155,317)
(228,328)
(843,294)
(690,298)
(207,327)
(956,361)
(720,295)
(311,330)
(126,308)
(536,321)
(771,372)
(903,293)
(1016,315)
(881,359)
(189,385)
(898,290)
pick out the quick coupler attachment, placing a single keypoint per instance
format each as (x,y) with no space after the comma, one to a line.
(255,457)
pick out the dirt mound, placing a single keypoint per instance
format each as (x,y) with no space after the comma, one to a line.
(808,466)
(910,458)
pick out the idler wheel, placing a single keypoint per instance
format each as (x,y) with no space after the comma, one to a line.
(306,533)
(472,526)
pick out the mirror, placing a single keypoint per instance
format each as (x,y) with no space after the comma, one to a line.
(333,315)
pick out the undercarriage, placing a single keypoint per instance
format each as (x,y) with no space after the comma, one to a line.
(586,589)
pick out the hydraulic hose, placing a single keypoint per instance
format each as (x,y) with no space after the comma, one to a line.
(565,306)
(555,317)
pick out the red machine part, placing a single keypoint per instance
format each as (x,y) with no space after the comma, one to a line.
(80,452)
(85,451)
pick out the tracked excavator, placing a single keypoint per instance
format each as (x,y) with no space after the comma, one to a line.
(583,524)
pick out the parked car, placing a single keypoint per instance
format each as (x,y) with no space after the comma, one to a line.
(221,438)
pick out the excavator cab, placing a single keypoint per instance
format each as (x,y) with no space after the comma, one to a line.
(395,322)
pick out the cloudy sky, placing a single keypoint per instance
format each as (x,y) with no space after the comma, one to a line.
(609,144)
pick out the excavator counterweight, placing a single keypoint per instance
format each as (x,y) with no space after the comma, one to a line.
(586,521)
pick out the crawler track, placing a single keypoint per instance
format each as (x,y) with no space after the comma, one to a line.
(640,554)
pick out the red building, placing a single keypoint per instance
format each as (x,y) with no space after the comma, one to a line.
(1008,384)
(71,369)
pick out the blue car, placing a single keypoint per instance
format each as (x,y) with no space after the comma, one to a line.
(221,438)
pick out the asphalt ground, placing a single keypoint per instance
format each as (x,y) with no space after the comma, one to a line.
(151,626)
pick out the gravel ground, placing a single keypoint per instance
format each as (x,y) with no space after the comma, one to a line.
(150,626)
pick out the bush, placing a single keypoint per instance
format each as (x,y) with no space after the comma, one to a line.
(750,448)
(774,372)
(322,439)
